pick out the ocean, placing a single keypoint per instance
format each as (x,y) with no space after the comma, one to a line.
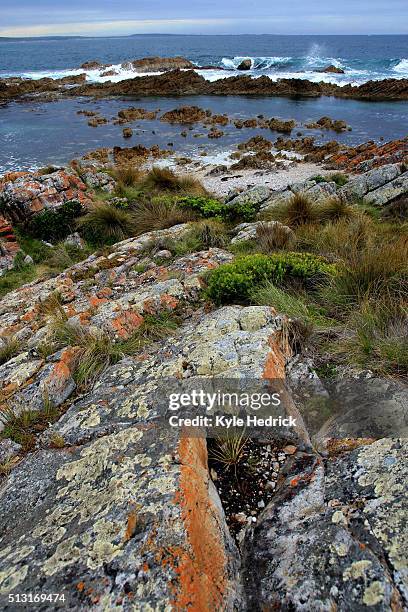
(362,58)
(34,134)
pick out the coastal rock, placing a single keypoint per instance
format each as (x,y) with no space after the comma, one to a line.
(98,180)
(246,64)
(390,191)
(159,64)
(32,193)
(135,114)
(322,542)
(92,65)
(370,155)
(370,181)
(127,132)
(8,245)
(255,195)
(185,115)
(331,69)
(8,450)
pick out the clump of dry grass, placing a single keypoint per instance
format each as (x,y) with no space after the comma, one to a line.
(274,237)
(334,209)
(159,213)
(105,223)
(164,179)
(9,348)
(210,233)
(298,210)
(126,175)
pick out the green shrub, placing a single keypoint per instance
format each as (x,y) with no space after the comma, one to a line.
(211,208)
(55,223)
(205,207)
(234,282)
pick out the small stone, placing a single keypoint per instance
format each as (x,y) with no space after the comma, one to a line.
(214,475)
(164,254)
(290,449)
(270,486)
(28,260)
(74,240)
(8,450)
(127,132)
(261,504)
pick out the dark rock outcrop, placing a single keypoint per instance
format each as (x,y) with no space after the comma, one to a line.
(246,64)
(159,64)
(331,70)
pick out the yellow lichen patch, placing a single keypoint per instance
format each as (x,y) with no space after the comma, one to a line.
(356,570)
(66,554)
(373,594)
(11,577)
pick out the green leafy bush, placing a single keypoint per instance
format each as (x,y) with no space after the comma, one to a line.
(235,282)
(55,223)
(211,208)
(205,207)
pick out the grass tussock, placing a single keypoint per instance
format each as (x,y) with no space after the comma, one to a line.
(9,348)
(272,237)
(21,424)
(298,210)
(106,224)
(159,213)
(164,179)
(126,175)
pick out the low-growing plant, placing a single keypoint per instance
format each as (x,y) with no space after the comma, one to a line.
(204,207)
(55,223)
(159,213)
(9,348)
(234,282)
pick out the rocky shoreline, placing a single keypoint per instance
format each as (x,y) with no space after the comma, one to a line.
(188,82)
(104,503)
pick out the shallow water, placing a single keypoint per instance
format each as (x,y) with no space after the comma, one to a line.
(37,134)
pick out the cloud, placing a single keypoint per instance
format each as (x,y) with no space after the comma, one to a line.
(113,27)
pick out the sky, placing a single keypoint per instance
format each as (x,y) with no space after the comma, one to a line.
(123,17)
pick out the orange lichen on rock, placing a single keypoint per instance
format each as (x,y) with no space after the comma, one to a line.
(126,323)
(202,570)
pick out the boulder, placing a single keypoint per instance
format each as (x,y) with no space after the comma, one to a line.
(159,64)
(246,64)
(248,231)
(92,65)
(390,191)
(127,132)
(333,537)
(254,195)
(331,69)
(32,193)
(360,186)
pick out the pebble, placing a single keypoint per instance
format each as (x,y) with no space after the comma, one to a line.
(290,449)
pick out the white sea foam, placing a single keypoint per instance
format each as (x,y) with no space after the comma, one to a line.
(402,67)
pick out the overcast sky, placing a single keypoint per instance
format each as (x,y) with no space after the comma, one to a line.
(101,17)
